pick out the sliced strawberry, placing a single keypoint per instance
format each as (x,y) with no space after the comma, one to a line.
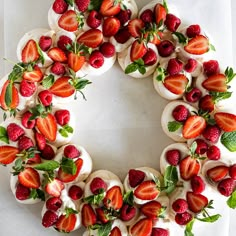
(35,75)
(113,198)
(66,223)
(206,103)
(91,38)
(8,154)
(189,167)
(142,228)
(57,54)
(30,52)
(135,27)
(196,202)
(138,50)
(226,121)
(102,215)
(193,127)
(160,13)
(47,126)
(54,188)
(109,8)
(147,190)
(151,209)
(156,37)
(29,178)
(115,232)
(197,45)
(75,61)
(176,83)
(216,83)
(217,173)
(110,27)
(68,21)
(40,141)
(88,215)
(62,87)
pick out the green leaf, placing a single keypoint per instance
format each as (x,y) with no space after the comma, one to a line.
(131,68)
(63,133)
(218,96)
(212,47)
(193,148)
(209,219)
(68,166)
(68,128)
(161,74)
(229,72)
(182,39)
(70,211)
(95,5)
(105,229)
(3,135)
(33,193)
(18,167)
(142,70)
(232,200)
(8,94)
(189,228)
(41,56)
(47,166)
(228,139)
(41,194)
(70,2)
(17,72)
(95,199)
(140,62)
(128,198)
(174,126)
(170,179)
(165,6)
(48,81)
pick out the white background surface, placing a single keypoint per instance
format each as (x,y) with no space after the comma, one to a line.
(120,123)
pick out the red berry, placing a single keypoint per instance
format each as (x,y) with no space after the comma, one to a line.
(34,160)
(172,22)
(97,184)
(45,97)
(54,203)
(96,59)
(165,48)
(14,132)
(191,65)
(206,103)
(82,4)
(94,19)
(63,41)
(201,147)
(180,205)
(27,88)
(212,133)
(25,143)
(226,187)
(232,171)
(26,122)
(193,30)
(107,49)
(62,117)
(213,153)
(48,153)
(49,219)
(127,212)
(160,232)
(123,35)
(150,57)
(211,67)
(147,16)
(40,140)
(58,68)
(70,151)
(45,43)
(111,26)
(136,177)
(60,6)
(180,113)
(174,66)
(22,192)
(183,218)
(75,192)
(173,157)
(197,184)
(193,95)
(124,16)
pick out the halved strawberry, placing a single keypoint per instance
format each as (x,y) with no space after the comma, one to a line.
(157,37)
(35,75)
(34,160)
(160,13)
(196,202)
(142,228)
(40,140)
(151,209)
(113,198)
(176,83)
(110,8)
(89,217)
(102,215)
(115,232)
(68,21)
(62,87)
(91,38)
(47,126)
(8,154)
(54,187)
(135,26)
(216,83)
(110,26)
(75,61)
(66,223)
(57,54)
(193,126)
(189,167)
(217,173)
(147,190)
(138,50)
(226,121)
(197,45)
(30,52)
(206,103)
(30,178)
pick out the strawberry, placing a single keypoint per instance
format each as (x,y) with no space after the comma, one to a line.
(75,61)
(48,153)
(25,143)
(191,65)
(107,49)
(62,116)
(14,132)
(147,190)
(34,160)
(30,52)
(124,16)
(189,167)
(66,223)
(68,21)
(150,57)
(172,22)
(75,192)
(175,66)
(22,193)
(147,16)
(110,26)
(97,184)
(226,121)
(206,103)
(122,35)
(54,187)
(138,50)
(232,171)
(113,198)
(213,153)
(115,232)
(193,127)
(197,45)
(62,87)
(211,67)
(35,75)
(58,68)
(49,219)
(136,177)
(91,38)
(70,151)
(57,54)
(160,232)
(8,154)
(102,215)
(142,228)
(176,83)
(27,88)
(127,212)
(53,203)
(151,209)
(217,173)
(29,178)
(216,83)
(40,140)
(160,13)
(82,5)
(196,202)
(26,122)
(135,26)
(88,216)
(47,126)
(197,184)
(109,8)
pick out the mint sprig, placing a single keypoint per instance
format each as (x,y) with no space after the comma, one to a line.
(37,193)
(231,202)
(68,166)
(103,229)
(3,135)
(47,166)
(48,81)
(95,199)
(161,74)
(128,198)
(136,65)
(229,73)
(189,228)
(181,38)
(66,130)
(170,179)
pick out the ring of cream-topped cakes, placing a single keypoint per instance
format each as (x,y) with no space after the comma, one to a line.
(85,39)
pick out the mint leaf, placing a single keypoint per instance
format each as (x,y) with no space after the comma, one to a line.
(229,72)
(136,65)
(41,57)
(48,81)
(3,135)
(212,47)
(182,39)
(68,166)
(95,5)
(37,193)
(47,166)
(70,211)
(129,198)
(105,229)
(193,148)
(70,2)
(232,200)
(174,126)
(189,228)
(131,68)
(161,74)
(142,70)
(63,133)
(68,128)
(218,96)
(95,199)
(228,139)
(209,219)
(170,179)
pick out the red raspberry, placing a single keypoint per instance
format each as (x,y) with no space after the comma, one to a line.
(97,184)
(193,30)
(197,184)
(160,232)
(45,43)
(34,160)
(26,122)
(82,4)
(40,140)
(48,153)
(211,67)
(96,59)
(123,35)
(94,19)
(180,205)
(174,66)
(183,218)
(25,143)
(53,203)
(191,65)
(206,103)
(45,97)
(58,68)
(147,16)
(49,219)
(136,177)
(232,171)
(211,133)
(107,49)
(165,48)
(22,192)
(124,16)
(70,151)
(14,132)
(193,95)
(180,113)
(75,192)
(27,88)
(213,153)
(173,157)
(201,147)
(172,22)
(226,186)
(150,57)
(62,117)
(60,6)
(127,212)
(63,41)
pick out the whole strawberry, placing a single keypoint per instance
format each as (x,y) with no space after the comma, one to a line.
(82,5)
